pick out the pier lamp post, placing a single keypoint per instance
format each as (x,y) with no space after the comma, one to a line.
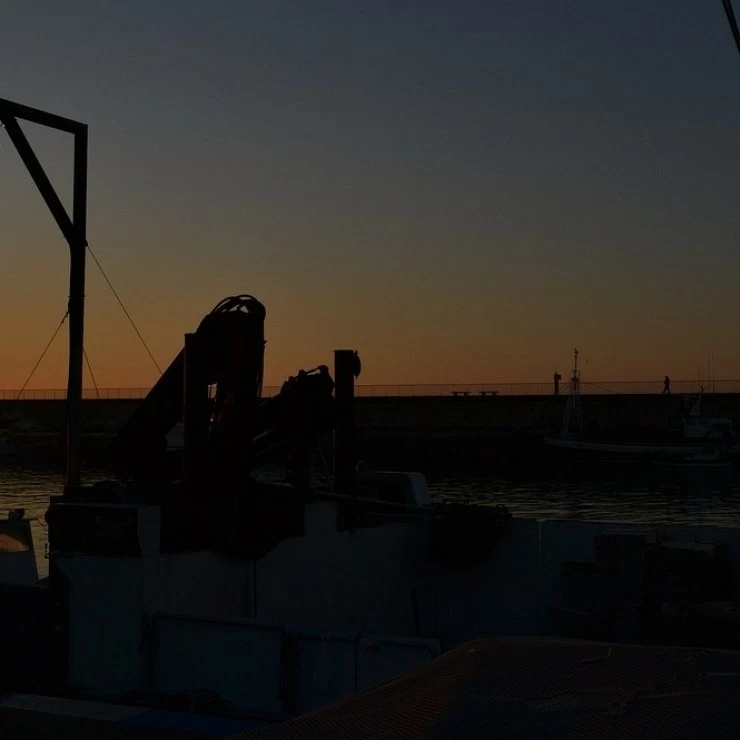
(74,230)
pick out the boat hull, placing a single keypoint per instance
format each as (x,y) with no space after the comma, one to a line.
(682,454)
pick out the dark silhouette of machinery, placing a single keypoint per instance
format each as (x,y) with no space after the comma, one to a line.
(214,386)
(206,493)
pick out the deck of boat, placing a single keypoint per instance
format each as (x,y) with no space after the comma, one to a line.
(534,688)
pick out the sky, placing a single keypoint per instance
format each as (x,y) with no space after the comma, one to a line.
(463,190)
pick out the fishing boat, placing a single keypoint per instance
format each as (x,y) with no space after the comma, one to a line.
(695,440)
(186,590)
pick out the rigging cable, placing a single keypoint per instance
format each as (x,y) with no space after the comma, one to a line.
(733,22)
(43,354)
(128,315)
(600,387)
(89,369)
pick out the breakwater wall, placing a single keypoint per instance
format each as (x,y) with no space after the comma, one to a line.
(431,414)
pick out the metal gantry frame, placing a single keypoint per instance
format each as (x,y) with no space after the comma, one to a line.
(74,230)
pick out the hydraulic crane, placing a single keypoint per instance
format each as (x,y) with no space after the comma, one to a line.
(214,386)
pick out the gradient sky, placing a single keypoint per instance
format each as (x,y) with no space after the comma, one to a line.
(463,191)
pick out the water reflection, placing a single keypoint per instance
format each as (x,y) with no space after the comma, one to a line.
(683,496)
(29,487)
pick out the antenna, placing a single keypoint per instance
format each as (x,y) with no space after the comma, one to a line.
(573,406)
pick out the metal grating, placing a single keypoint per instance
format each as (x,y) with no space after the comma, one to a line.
(540,688)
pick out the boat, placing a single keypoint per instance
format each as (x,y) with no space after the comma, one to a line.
(695,440)
(186,589)
(188,581)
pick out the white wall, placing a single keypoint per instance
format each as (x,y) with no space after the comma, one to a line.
(368,582)
(342,581)
(497,597)
(243,661)
(112,598)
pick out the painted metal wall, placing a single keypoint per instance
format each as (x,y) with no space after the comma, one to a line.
(372,581)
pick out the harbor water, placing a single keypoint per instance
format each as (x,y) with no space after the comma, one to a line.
(652,496)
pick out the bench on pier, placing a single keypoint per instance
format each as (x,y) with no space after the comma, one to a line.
(460,393)
(488,393)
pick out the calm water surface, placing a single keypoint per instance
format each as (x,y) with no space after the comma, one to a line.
(710,497)
(683,496)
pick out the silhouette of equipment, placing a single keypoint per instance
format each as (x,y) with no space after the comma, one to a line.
(206,495)
(214,386)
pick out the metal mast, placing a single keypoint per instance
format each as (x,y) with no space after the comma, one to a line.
(573,405)
(74,230)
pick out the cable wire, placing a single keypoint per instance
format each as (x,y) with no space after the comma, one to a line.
(600,387)
(128,315)
(89,369)
(733,23)
(43,354)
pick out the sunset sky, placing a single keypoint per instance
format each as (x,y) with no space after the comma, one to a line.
(462,190)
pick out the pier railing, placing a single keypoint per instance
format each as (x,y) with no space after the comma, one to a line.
(458,390)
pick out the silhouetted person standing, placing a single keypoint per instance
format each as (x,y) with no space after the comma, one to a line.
(667,385)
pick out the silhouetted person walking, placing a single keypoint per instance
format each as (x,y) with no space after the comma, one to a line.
(667,385)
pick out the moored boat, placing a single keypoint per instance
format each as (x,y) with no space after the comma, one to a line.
(696,440)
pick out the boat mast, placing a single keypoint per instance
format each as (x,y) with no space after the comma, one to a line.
(573,405)
(74,230)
